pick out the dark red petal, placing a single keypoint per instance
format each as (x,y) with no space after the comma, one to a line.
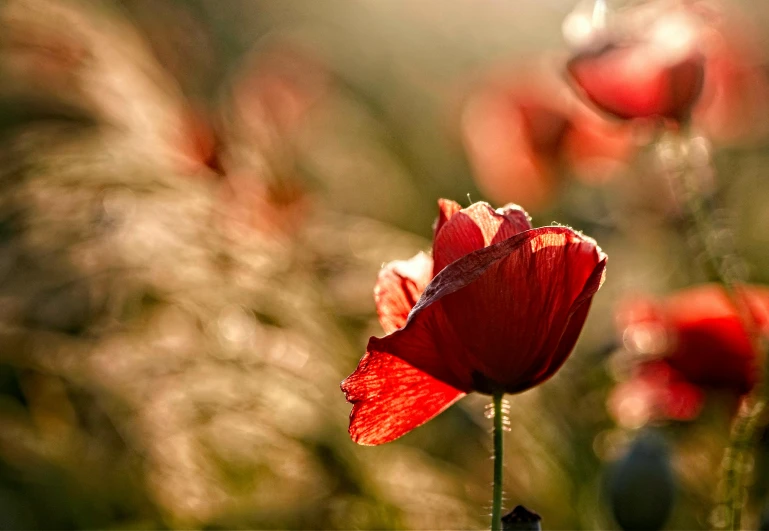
(715,352)
(683,401)
(398,287)
(476,227)
(488,312)
(713,347)
(549,367)
(391,397)
(446,209)
(624,82)
(521,318)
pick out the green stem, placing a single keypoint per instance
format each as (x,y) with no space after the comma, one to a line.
(742,440)
(744,429)
(496,507)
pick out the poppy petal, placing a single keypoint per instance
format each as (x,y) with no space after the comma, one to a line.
(391,397)
(398,287)
(713,347)
(628,83)
(515,316)
(446,209)
(574,325)
(464,323)
(474,228)
(430,345)
(655,392)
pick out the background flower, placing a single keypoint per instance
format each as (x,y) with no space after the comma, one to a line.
(646,64)
(683,344)
(525,132)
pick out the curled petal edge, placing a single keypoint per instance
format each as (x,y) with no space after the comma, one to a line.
(467,269)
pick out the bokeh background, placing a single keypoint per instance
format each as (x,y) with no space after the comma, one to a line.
(195,199)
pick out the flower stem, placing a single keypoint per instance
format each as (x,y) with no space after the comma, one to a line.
(744,429)
(741,443)
(496,507)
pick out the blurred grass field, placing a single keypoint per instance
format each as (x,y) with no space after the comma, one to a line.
(196,198)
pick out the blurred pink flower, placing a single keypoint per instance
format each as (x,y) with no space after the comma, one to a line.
(521,136)
(271,95)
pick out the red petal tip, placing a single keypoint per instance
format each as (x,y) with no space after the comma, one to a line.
(446,209)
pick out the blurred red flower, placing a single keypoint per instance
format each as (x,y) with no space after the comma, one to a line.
(656,391)
(260,186)
(520,136)
(693,60)
(501,310)
(650,67)
(693,339)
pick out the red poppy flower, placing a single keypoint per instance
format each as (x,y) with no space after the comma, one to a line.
(521,136)
(651,69)
(502,311)
(692,339)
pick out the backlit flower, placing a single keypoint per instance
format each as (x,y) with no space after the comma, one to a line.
(649,65)
(499,307)
(698,60)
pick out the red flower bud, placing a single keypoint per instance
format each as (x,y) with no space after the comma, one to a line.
(502,312)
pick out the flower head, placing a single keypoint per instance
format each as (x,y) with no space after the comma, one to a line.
(698,60)
(499,307)
(689,342)
(521,136)
(650,67)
